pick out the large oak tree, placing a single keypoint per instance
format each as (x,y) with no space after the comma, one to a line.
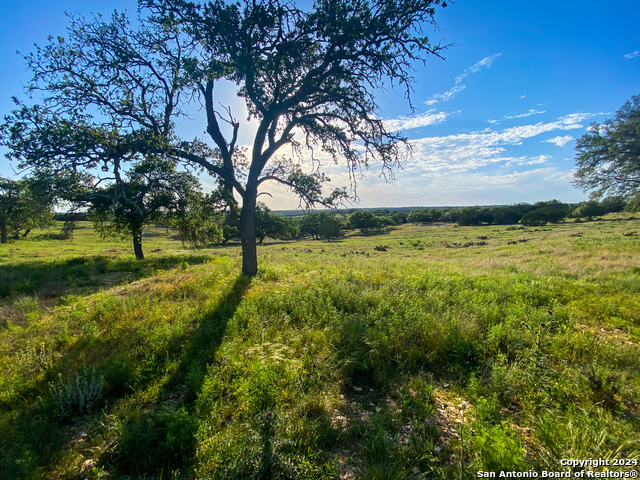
(308,77)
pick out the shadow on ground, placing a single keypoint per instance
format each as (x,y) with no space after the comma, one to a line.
(163,438)
(82,275)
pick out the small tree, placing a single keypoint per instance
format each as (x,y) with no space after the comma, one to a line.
(608,156)
(554,210)
(24,205)
(271,225)
(150,189)
(385,222)
(506,215)
(309,224)
(614,204)
(363,220)
(201,222)
(589,209)
(473,216)
(399,217)
(535,218)
(421,215)
(329,226)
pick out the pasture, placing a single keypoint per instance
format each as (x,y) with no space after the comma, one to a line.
(419,352)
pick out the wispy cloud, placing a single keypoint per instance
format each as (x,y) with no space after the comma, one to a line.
(405,123)
(521,115)
(458,86)
(478,181)
(446,96)
(633,55)
(560,141)
(529,160)
(454,168)
(523,96)
(458,169)
(468,151)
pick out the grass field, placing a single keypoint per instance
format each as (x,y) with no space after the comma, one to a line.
(421,352)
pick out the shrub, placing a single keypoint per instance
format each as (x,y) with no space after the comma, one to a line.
(473,216)
(589,209)
(78,395)
(158,441)
(498,448)
(535,218)
(364,220)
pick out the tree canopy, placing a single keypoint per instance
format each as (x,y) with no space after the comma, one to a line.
(112,92)
(608,156)
(363,220)
(271,225)
(199,220)
(24,205)
(150,188)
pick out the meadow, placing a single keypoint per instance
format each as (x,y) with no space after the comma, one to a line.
(419,352)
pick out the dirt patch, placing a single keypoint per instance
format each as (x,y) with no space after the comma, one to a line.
(604,333)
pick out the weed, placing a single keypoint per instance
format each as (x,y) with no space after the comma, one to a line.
(35,357)
(605,389)
(417,398)
(154,442)
(78,395)
(498,448)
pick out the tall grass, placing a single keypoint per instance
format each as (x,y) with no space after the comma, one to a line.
(336,360)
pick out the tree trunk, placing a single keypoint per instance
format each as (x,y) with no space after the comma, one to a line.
(3,232)
(137,245)
(248,234)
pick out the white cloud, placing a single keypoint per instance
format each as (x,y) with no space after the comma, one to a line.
(521,115)
(485,62)
(446,96)
(466,168)
(480,181)
(529,160)
(468,151)
(405,123)
(633,55)
(527,114)
(560,141)
(455,153)
(481,188)
(458,86)
(523,96)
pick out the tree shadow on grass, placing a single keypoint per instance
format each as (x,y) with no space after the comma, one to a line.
(82,275)
(162,439)
(205,341)
(376,233)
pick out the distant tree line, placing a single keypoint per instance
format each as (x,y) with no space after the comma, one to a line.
(328,225)
(538,214)
(165,197)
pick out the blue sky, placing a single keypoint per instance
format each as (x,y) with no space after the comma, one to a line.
(497,119)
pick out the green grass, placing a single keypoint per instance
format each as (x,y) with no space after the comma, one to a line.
(428,360)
